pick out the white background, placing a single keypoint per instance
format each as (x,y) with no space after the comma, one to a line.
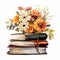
(7,10)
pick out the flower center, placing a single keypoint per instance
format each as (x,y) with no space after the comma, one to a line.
(23,25)
(40,25)
(24,17)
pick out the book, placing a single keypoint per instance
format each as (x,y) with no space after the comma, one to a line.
(17,36)
(29,43)
(39,36)
(26,36)
(26,51)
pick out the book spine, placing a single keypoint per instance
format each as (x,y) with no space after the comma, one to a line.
(40,36)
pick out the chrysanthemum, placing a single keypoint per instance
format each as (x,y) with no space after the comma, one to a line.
(16,19)
(40,25)
(35,13)
(30,29)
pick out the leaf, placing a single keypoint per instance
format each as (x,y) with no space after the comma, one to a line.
(47,29)
(46,14)
(48,25)
(10,27)
(51,34)
(17,12)
(38,8)
(51,30)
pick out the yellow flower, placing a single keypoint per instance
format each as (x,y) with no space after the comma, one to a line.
(36,27)
(16,19)
(30,29)
(39,20)
(40,25)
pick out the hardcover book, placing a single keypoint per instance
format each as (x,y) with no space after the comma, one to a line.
(29,43)
(27,51)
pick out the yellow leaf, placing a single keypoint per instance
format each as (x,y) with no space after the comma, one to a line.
(51,30)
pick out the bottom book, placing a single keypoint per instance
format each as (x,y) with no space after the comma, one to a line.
(27,51)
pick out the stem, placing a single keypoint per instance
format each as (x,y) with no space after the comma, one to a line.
(37,45)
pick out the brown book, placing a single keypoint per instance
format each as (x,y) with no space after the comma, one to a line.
(41,43)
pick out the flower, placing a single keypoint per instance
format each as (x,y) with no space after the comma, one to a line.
(23,20)
(40,25)
(23,13)
(30,29)
(28,17)
(35,13)
(16,19)
(20,8)
(31,21)
(28,8)
(23,26)
(39,20)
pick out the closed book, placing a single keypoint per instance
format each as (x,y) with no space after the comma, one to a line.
(27,36)
(29,43)
(39,36)
(17,36)
(26,51)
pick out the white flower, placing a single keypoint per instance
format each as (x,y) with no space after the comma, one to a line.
(28,17)
(23,26)
(24,17)
(23,20)
(23,13)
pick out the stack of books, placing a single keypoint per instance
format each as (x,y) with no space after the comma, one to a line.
(28,44)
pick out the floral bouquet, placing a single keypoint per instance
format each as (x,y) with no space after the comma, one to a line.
(29,20)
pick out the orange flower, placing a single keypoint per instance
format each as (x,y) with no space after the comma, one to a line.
(28,8)
(30,29)
(40,25)
(35,13)
(20,8)
(39,20)
(16,19)
(36,27)
(43,26)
